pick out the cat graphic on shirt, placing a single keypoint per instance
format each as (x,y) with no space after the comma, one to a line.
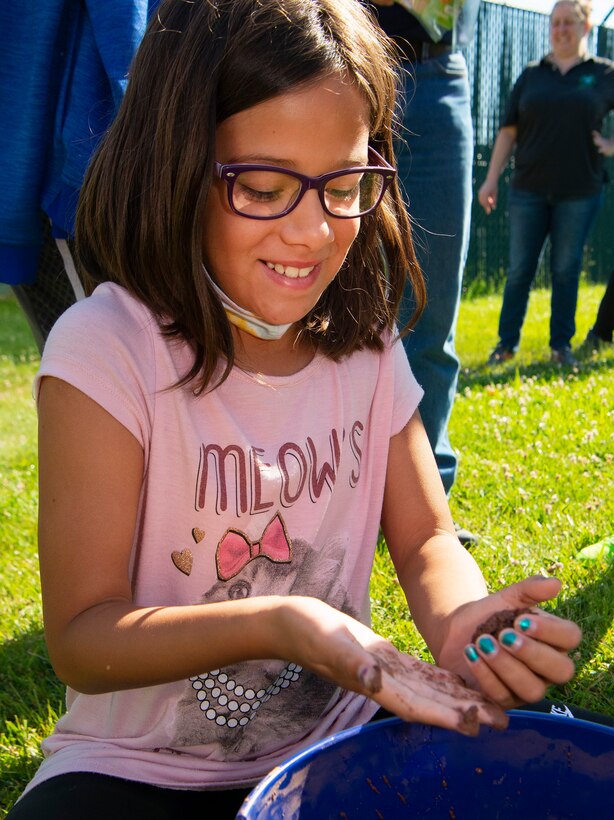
(258,705)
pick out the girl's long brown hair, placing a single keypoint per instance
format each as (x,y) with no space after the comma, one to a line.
(140,214)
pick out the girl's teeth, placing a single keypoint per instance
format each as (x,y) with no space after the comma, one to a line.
(290,271)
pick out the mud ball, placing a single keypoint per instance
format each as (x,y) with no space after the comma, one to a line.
(504,619)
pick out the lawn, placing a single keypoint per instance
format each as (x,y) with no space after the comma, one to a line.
(536,482)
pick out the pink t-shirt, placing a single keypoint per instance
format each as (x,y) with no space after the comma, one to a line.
(265,485)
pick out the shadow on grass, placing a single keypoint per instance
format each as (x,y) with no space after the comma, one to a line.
(27,680)
(542,371)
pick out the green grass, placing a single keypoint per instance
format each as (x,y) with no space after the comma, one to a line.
(31,699)
(536,481)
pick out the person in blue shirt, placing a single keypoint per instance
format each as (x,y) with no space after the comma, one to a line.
(62,77)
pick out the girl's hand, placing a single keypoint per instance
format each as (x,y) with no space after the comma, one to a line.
(343,650)
(604,145)
(517,665)
(487,195)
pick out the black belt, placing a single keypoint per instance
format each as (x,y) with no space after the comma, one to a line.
(417,51)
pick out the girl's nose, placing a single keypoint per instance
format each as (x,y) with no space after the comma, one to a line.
(308,224)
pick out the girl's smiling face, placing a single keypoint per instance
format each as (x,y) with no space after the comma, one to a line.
(314,129)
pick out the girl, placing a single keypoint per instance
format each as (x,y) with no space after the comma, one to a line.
(227,420)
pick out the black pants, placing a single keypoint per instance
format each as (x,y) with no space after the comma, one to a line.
(604,324)
(57,287)
(85,796)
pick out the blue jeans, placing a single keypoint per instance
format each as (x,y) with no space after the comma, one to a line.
(534,217)
(435,170)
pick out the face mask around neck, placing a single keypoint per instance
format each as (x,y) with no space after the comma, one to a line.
(246,320)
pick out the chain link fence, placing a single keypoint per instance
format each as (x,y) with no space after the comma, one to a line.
(506,40)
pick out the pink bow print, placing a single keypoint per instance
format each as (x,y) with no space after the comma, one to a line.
(235,550)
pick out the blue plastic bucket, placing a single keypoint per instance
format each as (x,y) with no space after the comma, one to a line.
(542,767)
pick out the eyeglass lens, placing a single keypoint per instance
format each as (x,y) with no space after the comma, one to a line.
(271,193)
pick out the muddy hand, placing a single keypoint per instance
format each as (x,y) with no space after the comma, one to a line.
(341,649)
(515,662)
(421,692)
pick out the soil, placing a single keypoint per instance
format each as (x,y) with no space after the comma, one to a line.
(469,722)
(500,620)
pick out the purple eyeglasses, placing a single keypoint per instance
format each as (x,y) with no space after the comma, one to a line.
(268,192)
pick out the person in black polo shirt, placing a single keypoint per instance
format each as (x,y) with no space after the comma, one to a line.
(553,124)
(435,166)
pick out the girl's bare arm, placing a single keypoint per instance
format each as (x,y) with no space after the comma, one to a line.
(90,479)
(436,573)
(447,594)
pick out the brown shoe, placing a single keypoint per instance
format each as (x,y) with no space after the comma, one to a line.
(500,355)
(563,355)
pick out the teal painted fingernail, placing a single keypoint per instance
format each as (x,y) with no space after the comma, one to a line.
(487,645)
(508,638)
(524,624)
(471,653)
